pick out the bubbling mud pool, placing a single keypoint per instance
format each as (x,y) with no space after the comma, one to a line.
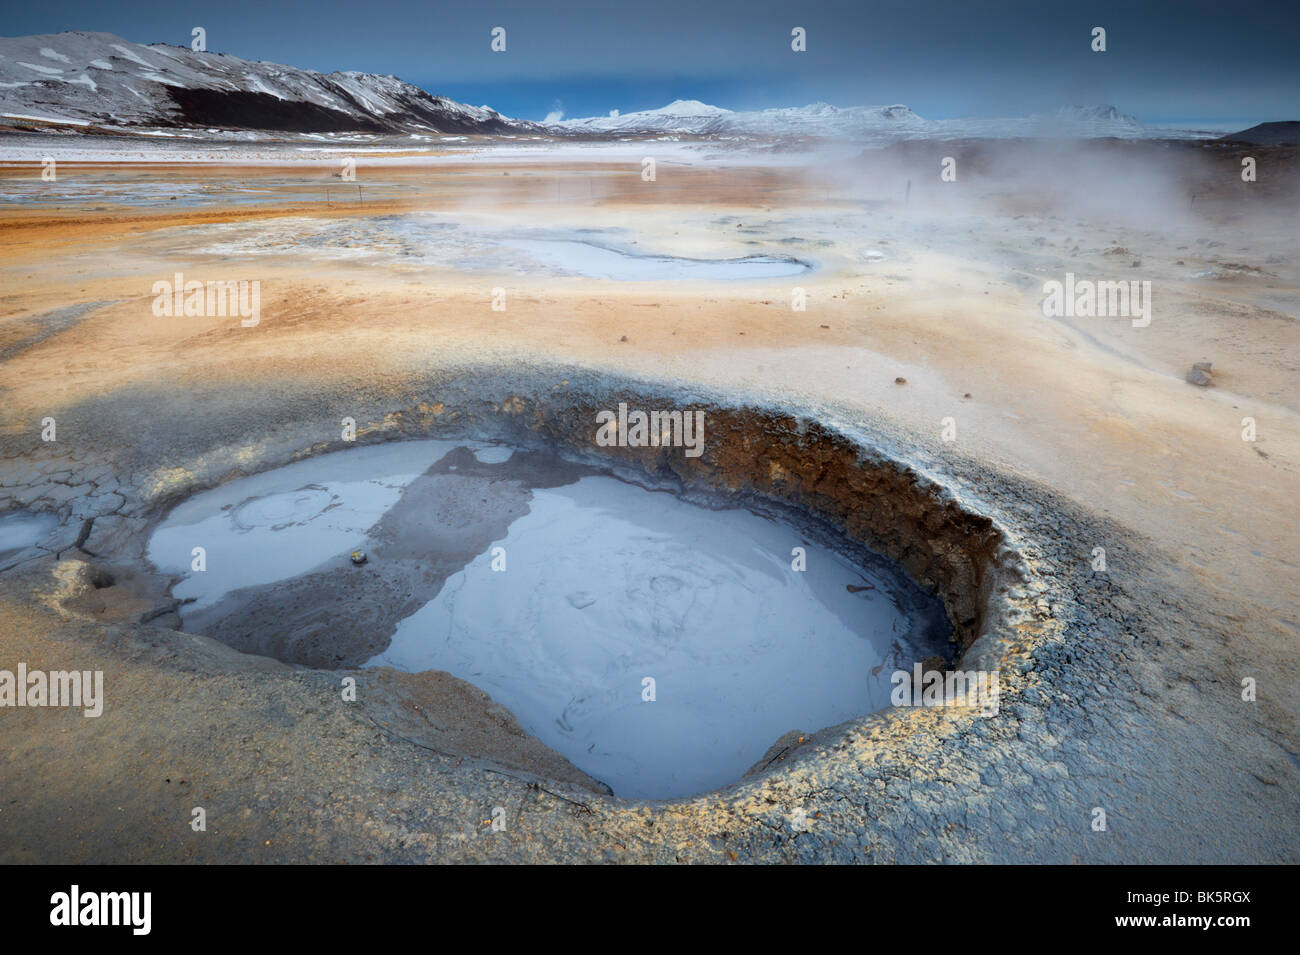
(661,646)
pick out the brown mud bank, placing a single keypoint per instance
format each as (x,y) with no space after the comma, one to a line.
(417,766)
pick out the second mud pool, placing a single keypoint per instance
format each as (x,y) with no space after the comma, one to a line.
(661,646)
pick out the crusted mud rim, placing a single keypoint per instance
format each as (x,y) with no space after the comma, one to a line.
(782,461)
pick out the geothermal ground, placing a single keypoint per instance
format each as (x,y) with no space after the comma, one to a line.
(921,407)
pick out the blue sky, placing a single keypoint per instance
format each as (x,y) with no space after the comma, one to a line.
(1167,61)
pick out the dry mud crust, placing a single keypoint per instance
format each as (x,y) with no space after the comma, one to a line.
(1115,693)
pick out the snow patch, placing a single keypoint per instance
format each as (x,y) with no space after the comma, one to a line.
(132,55)
(47,70)
(47,119)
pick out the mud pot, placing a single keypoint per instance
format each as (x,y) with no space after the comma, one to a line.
(573,597)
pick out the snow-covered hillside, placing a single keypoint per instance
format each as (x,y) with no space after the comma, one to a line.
(98,79)
(693,118)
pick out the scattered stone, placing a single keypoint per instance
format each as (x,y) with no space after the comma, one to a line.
(1200,375)
(623,339)
(900,381)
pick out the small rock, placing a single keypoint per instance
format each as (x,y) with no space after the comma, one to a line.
(1200,375)
(900,381)
(358,557)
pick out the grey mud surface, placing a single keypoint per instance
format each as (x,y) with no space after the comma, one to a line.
(343,615)
(1120,691)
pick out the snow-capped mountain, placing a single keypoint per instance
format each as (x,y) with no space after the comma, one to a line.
(679,116)
(691,117)
(866,123)
(1095,114)
(98,79)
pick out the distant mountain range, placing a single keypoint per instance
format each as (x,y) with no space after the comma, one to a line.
(98,81)
(693,118)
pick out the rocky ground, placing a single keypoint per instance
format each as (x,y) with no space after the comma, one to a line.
(1122,689)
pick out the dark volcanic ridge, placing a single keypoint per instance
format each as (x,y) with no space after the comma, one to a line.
(1268,134)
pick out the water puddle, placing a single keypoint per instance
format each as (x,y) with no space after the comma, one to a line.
(660,646)
(20,530)
(419,242)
